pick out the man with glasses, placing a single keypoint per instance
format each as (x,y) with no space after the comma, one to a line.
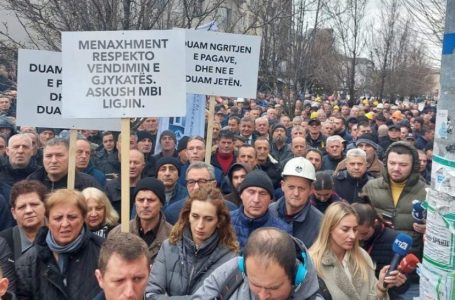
(198,175)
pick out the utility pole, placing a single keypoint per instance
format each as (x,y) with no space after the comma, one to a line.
(437,272)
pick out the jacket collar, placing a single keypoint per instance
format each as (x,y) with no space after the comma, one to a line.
(299,217)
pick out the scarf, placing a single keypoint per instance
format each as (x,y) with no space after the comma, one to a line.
(64,251)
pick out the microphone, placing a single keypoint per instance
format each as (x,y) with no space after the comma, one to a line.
(408,264)
(400,248)
(418,212)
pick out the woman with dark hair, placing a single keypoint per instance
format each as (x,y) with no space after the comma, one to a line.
(377,239)
(62,261)
(323,193)
(201,240)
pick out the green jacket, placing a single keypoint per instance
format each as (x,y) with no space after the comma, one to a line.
(380,194)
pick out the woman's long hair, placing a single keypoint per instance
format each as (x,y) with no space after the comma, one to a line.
(111,216)
(332,217)
(224,226)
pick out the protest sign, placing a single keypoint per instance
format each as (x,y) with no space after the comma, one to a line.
(39,94)
(118,74)
(222,64)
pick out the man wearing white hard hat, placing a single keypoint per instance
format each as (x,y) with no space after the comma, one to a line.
(294,207)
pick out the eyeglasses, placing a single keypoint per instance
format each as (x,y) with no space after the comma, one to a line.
(192,182)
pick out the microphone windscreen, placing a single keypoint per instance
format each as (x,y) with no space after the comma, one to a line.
(402,244)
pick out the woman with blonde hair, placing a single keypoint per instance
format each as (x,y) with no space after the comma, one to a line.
(347,269)
(101,216)
(201,240)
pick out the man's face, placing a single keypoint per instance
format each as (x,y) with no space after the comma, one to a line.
(334,149)
(137,164)
(29,211)
(247,155)
(399,166)
(198,178)
(262,150)
(150,124)
(364,129)
(369,150)
(423,161)
(45,136)
(356,166)
(82,154)
(108,142)
(394,134)
(354,131)
(5,104)
(314,128)
(328,128)
(279,136)
(271,114)
(145,145)
(19,151)
(233,125)
(403,132)
(246,128)
(148,205)
(237,177)
(345,110)
(296,192)
(167,143)
(124,279)
(315,159)
(255,201)
(195,150)
(295,132)
(267,281)
(254,113)
(339,124)
(298,146)
(285,121)
(226,146)
(168,174)
(262,126)
(55,160)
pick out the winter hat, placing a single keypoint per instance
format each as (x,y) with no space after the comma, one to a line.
(5,123)
(168,133)
(42,129)
(182,143)
(278,126)
(142,135)
(168,160)
(257,178)
(367,138)
(151,184)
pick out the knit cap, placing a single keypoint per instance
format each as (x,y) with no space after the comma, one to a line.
(168,160)
(257,178)
(151,184)
(168,133)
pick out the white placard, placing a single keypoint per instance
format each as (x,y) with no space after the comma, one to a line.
(39,94)
(222,64)
(117,74)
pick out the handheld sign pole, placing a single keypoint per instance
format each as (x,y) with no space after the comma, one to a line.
(72,159)
(208,151)
(124,175)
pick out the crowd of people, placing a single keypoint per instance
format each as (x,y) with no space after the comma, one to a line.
(287,208)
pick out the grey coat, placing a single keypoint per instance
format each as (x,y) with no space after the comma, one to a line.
(179,270)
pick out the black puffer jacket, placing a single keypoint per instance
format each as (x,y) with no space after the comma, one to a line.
(39,277)
(81,181)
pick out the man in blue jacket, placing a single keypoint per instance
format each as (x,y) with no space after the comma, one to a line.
(294,207)
(256,193)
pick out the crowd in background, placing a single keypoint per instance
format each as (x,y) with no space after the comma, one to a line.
(331,165)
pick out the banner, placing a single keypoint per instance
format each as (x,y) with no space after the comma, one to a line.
(39,94)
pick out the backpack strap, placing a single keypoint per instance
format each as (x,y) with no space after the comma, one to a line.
(232,282)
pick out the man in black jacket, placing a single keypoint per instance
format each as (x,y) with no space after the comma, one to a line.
(348,183)
(20,162)
(54,173)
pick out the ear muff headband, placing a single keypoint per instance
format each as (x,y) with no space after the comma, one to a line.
(301,268)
